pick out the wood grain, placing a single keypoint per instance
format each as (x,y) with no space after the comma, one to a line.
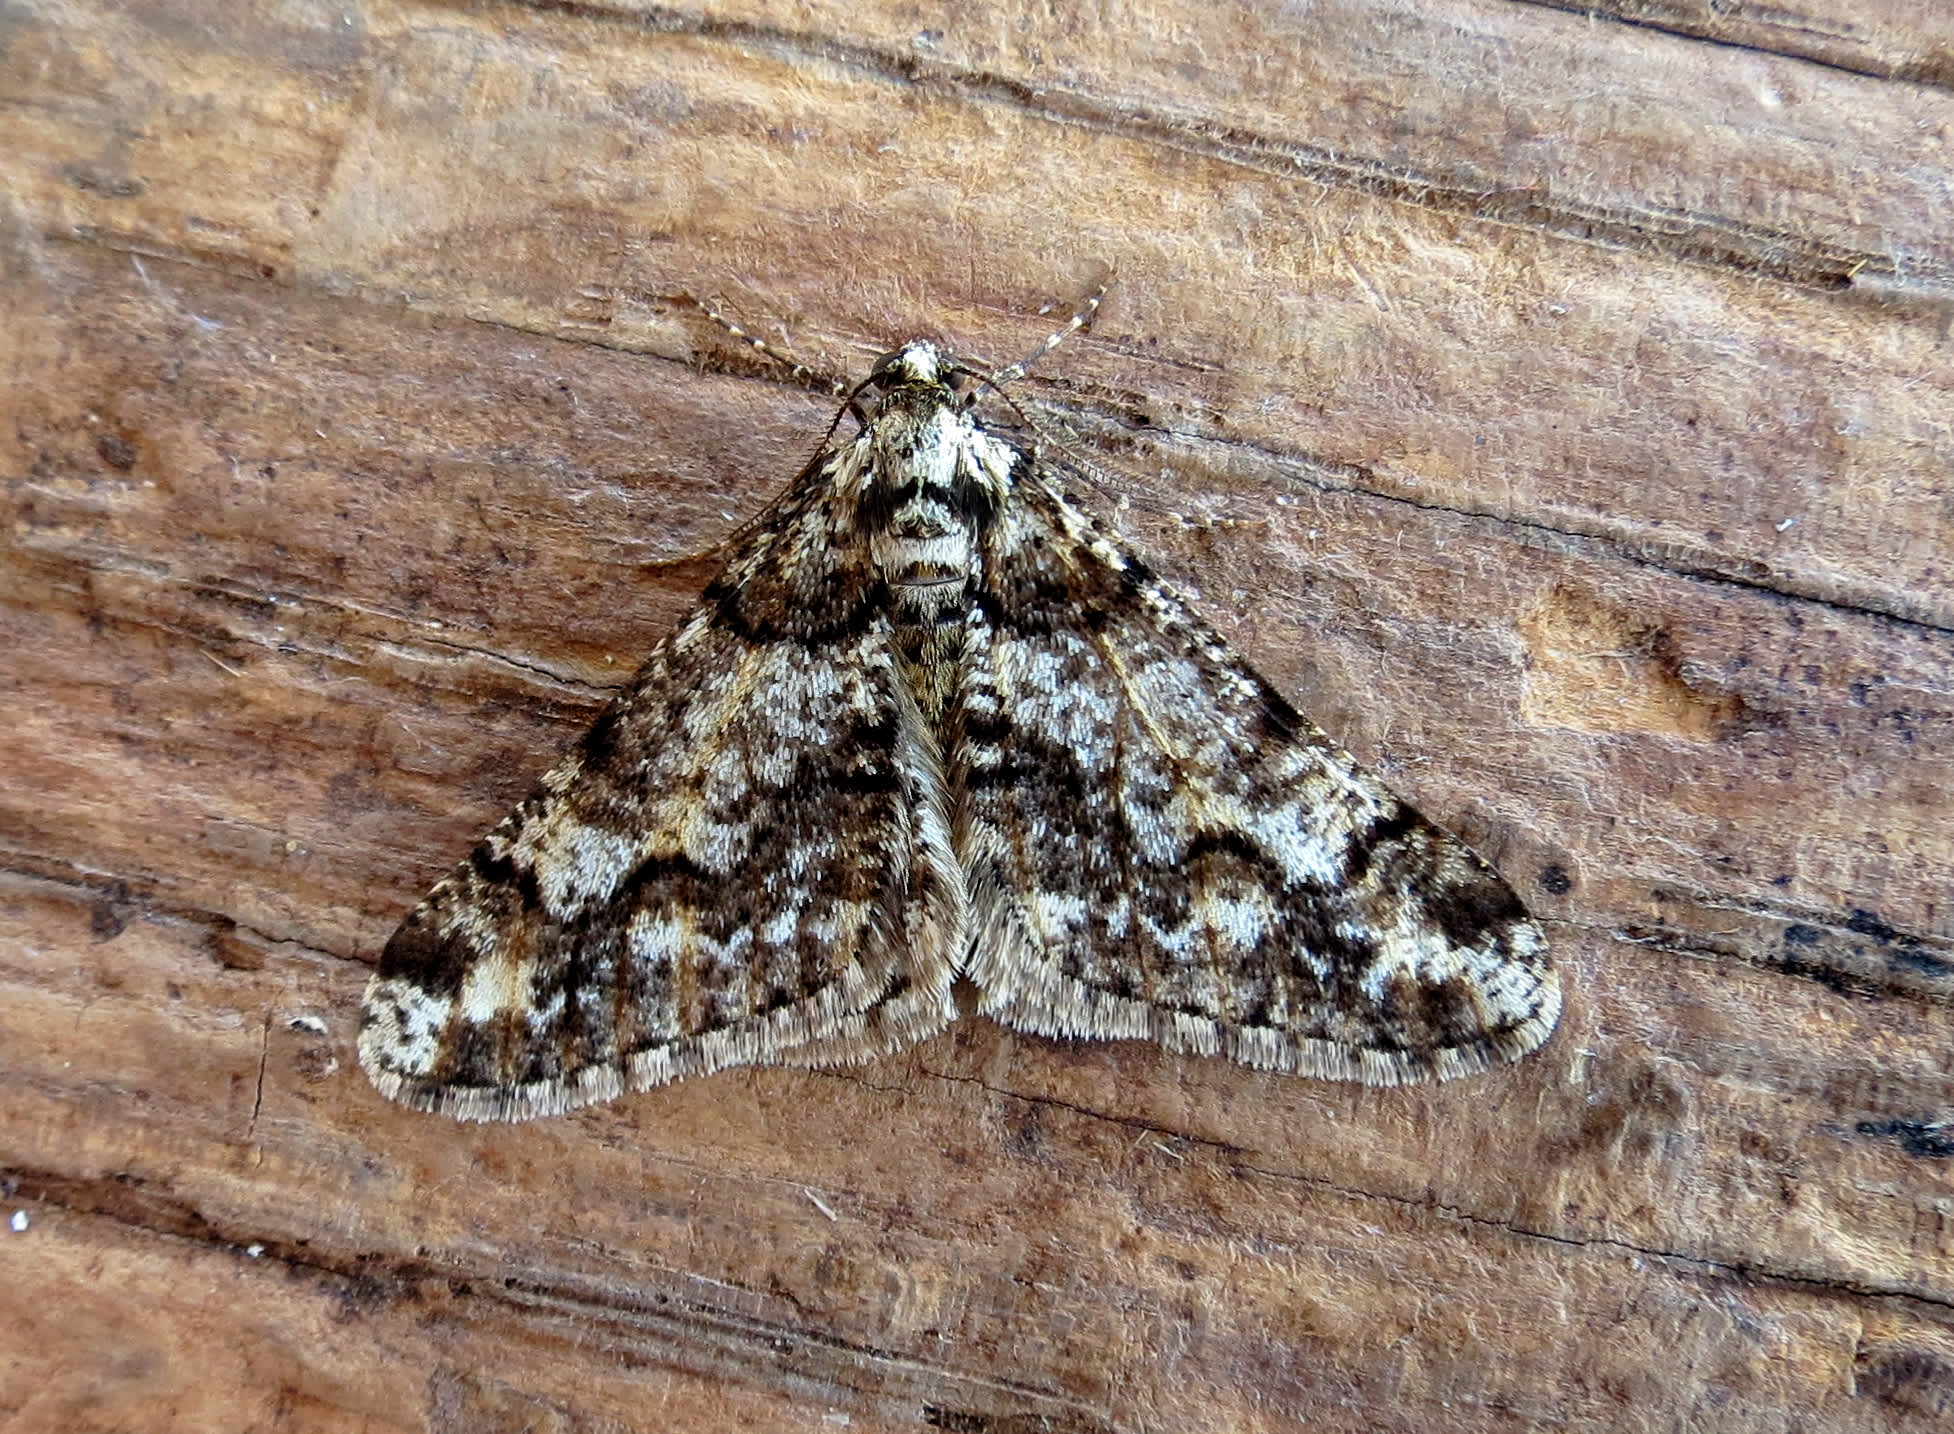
(1554,404)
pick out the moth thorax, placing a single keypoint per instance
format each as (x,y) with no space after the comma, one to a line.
(919,504)
(925,547)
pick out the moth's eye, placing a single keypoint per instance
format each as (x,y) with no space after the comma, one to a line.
(889,370)
(956,379)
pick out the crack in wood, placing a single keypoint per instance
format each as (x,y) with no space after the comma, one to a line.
(1740,1271)
(1700,239)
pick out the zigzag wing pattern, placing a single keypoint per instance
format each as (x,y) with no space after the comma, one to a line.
(746,854)
(1157,845)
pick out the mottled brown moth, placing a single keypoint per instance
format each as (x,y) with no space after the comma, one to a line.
(934,722)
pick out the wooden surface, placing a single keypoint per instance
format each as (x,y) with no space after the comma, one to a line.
(1555,399)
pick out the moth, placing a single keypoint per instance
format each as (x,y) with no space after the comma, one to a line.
(935,723)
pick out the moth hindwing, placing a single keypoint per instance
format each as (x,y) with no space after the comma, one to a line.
(933,721)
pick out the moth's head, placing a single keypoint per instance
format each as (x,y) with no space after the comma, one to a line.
(918,364)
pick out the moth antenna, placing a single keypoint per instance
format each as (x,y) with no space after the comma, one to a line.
(839,387)
(1011,373)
